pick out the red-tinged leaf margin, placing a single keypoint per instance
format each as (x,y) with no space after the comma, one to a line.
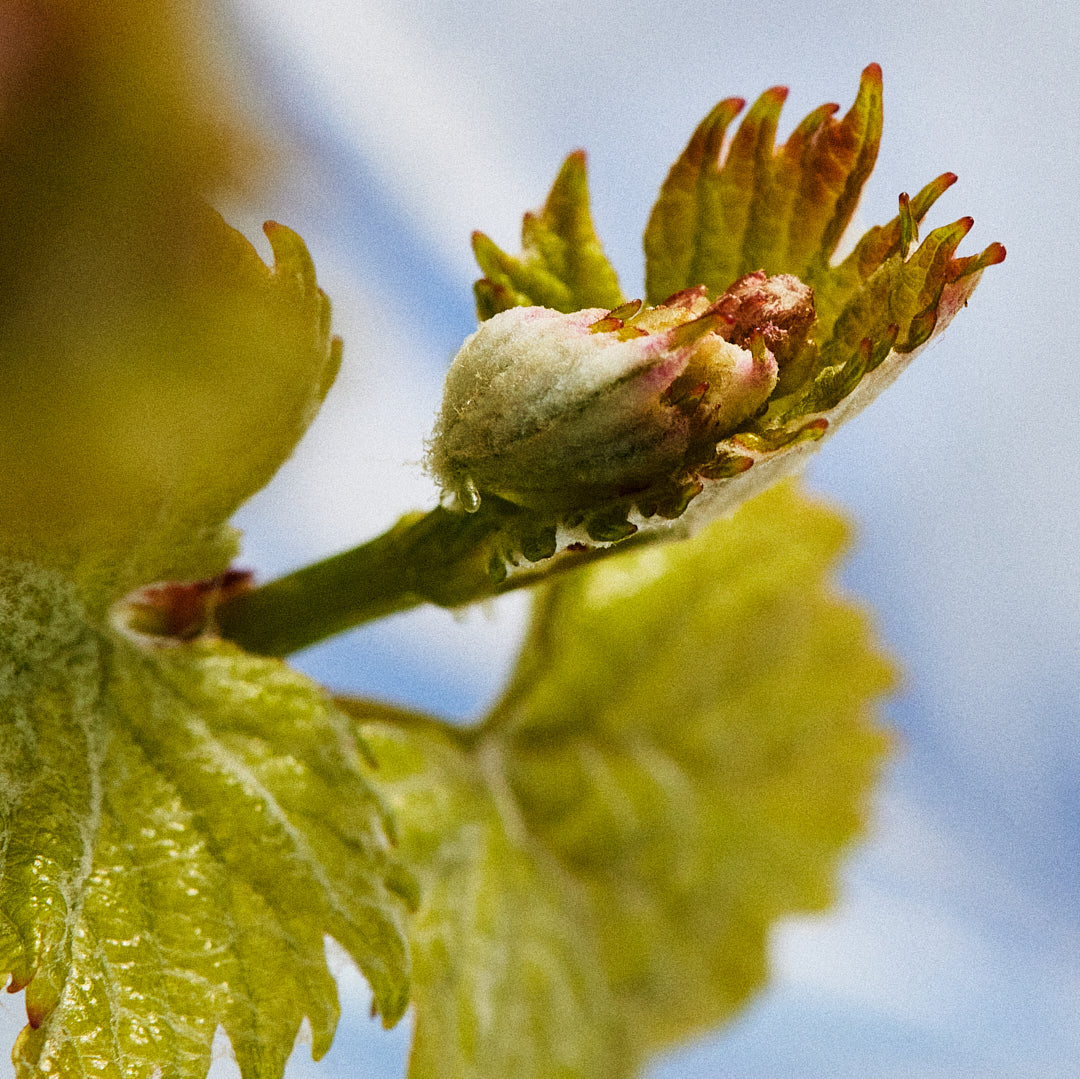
(720,215)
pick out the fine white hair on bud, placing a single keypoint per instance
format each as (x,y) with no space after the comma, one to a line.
(587,416)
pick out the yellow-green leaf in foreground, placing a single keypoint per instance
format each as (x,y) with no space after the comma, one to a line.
(180,827)
(684,753)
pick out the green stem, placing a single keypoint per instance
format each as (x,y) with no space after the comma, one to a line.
(440,557)
(443,557)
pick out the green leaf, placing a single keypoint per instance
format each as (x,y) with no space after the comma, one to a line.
(729,210)
(180,827)
(684,753)
(156,372)
(133,425)
(562,265)
(725,213)
(782,211)
(507,979)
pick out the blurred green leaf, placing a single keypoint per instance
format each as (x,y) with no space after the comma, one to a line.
(682,756)
(562,265)
(130,430)
(179,829)
(155,372)
(508,979)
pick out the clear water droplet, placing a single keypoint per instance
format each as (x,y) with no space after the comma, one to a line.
(468,495)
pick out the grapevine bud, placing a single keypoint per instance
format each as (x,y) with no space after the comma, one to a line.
(586,427)
(569,414)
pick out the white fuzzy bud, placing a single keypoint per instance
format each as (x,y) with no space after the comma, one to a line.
(568,414)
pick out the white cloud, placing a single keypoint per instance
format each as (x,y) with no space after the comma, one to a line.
(935,935)
(412,110)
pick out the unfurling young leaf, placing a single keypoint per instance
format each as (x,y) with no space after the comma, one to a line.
(604,421)
(562,265)
(682,755)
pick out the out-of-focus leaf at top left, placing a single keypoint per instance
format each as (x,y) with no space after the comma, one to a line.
(154,372)
(129,433)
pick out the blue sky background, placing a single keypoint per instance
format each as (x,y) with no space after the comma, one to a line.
(954,950)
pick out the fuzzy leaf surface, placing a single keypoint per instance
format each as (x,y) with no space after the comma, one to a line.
(179,829)
(684,753)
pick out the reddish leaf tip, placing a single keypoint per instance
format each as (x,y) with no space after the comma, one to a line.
(872,73)
(963,267)
(947,179)
(36,1014)
(775,95)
